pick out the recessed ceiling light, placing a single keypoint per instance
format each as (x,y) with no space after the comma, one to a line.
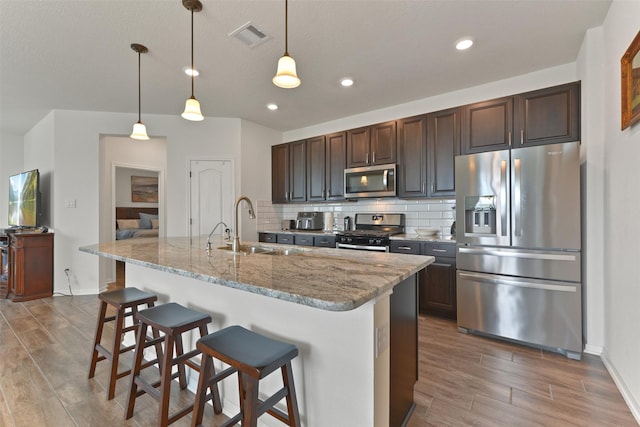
(189,72)
(272,107)
(346,82)
(464,44)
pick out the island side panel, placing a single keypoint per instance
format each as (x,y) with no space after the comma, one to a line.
(337,375)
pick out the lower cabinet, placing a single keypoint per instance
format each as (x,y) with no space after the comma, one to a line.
(437,282)
(324,241)
(30,266)
(268,237)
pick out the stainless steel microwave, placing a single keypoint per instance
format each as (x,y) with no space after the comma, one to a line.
(370,181)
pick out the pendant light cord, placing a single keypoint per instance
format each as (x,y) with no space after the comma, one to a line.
(286,27)
(139,91)
(193,70)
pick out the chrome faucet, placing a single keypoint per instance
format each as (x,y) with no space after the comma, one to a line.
(226,230)
(235,246)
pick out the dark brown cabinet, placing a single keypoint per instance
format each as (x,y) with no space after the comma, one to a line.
(336,162)
(372,145)
(412,157)
(30,266)
(545,116)
(438,281)
(268,237)
(324,241)
(548,116)
(443,145)
(488,125)
(326,160)
(280,173)
(287,239)
(289,172)
(316,153)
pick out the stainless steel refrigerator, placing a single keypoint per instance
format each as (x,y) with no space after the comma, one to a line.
(518,245)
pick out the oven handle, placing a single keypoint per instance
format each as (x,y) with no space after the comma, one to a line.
(362,247)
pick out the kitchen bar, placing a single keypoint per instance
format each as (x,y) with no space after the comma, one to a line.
(353,317)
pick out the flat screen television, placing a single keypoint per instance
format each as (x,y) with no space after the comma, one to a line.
(24,199)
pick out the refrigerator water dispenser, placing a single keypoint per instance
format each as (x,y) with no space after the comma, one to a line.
(480,215)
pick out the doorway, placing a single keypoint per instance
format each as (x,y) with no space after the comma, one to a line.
(211,195)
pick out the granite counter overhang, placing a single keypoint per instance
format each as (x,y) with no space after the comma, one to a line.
(325,278)
(414,237)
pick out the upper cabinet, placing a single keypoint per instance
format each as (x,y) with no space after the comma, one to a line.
(371,145)
(316,168)
(548,116)
(289,172)
(545,116)
(335,163)
(412,157)
(443,145)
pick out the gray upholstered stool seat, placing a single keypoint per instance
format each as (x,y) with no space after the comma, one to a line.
(253,357)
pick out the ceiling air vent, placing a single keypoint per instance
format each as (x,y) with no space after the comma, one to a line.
(249,35)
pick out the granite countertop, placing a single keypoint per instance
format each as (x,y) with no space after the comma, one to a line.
(325,278)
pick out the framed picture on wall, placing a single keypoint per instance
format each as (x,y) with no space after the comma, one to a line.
(630,74)
(144,189)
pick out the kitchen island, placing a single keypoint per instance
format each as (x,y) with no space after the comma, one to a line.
(353,316)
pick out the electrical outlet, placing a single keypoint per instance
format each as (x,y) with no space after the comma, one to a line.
(382,339)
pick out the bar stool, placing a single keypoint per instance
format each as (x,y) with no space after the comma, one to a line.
(172,320)
(253,356)
(126,302)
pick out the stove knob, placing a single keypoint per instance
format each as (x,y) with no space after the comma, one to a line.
(372,241)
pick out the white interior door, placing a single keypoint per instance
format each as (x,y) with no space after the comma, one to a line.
(211,195)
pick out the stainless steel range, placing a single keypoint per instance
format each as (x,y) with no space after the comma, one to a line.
(372,232)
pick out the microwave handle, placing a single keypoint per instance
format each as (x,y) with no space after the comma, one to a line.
(385,178)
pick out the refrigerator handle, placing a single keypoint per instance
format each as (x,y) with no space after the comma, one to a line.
(517,197)
(503,196)
(519,282)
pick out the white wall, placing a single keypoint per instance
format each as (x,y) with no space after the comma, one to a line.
(11,161)
(67,142)
(621,207)
(39,153)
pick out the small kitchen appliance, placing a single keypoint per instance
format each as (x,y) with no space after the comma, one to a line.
(288,224)
(328,222)
(310,221)
(370,181)
(372,232)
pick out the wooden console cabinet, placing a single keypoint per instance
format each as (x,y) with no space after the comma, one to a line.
(30,266)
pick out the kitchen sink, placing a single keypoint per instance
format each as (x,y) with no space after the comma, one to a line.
(246,249)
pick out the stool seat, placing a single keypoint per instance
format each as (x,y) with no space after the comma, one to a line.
(172,320)
(253,357)
(126,302)
(258,355)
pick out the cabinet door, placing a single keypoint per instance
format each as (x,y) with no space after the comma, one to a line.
(316,168)
(280,173)
(548,116)
(412,157)
(268,237)
(438,288)
(325,241)
(336,161)
(297,172)
(443,145)
(405,247)
(358,142)
(383,143)
(286,239)
(488,126)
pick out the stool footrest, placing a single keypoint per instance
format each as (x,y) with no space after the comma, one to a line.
(184,358)
(268,405)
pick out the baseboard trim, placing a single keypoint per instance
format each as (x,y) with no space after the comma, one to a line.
(634,407)
(593,349)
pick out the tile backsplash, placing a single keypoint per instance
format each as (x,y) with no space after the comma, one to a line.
(439,213)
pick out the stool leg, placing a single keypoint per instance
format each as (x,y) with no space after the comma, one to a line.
(135,369)
(182,374)
(165,381)
(213,388)
(115,353)
(98,338)
(292,401)
(250,397)
(206,372)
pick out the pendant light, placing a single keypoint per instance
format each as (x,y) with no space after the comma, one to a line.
(286,76)
(139,129)
(192,106)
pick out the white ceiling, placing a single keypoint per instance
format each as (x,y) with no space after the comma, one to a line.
(75,55)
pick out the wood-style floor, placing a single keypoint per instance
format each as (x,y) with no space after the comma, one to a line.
(465,380)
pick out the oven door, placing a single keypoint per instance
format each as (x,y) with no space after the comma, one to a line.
(362,247)
(370,181)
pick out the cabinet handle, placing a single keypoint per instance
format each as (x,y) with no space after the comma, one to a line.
(404,248)
(509,138)
(423,185)
(373,160)
(367,161)
(521,136)
(432,188)
(286,196)
(439,250)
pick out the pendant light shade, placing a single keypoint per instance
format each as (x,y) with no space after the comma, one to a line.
(286,76)
(192,106)
(139,129)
